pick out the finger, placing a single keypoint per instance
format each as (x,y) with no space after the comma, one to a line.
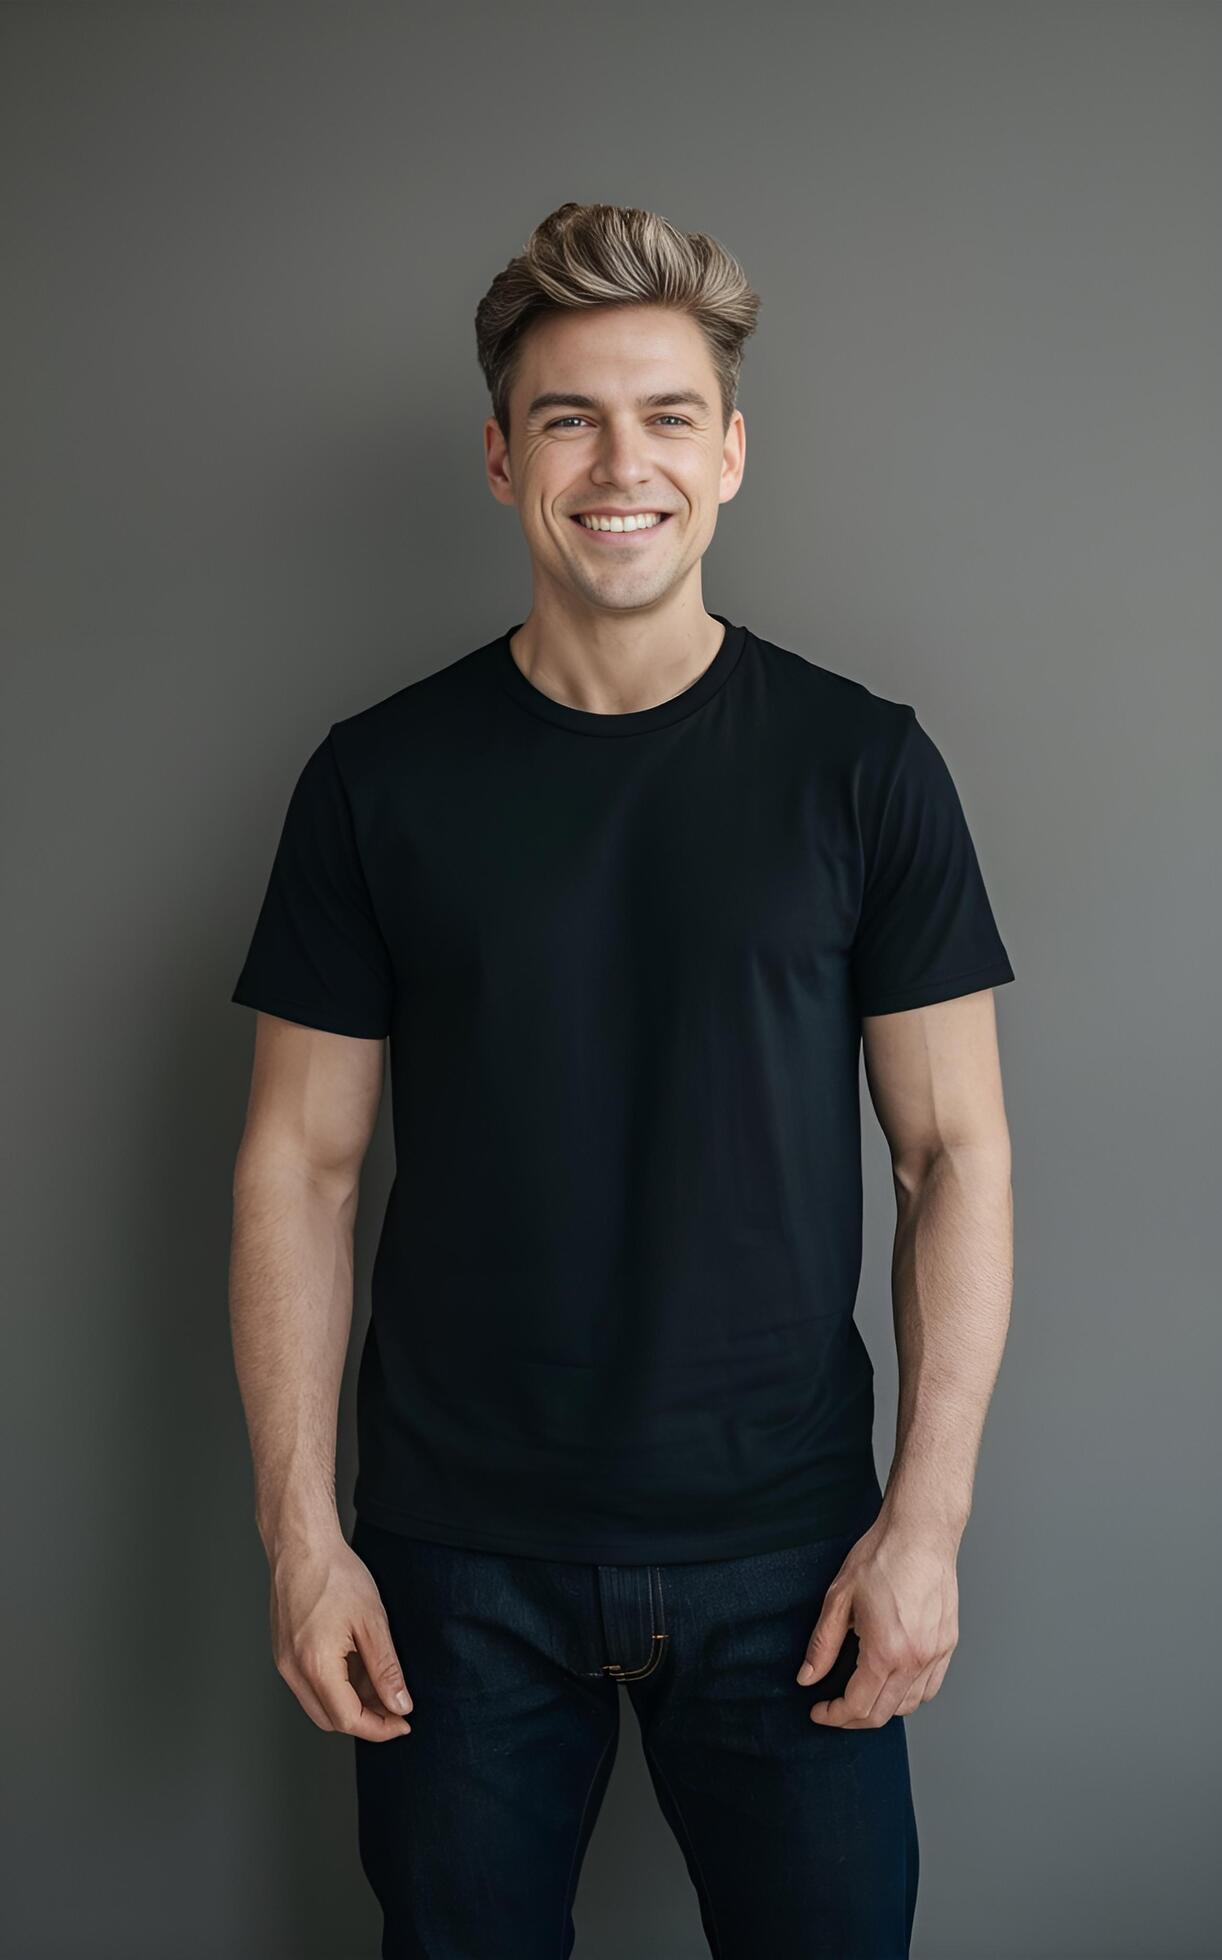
(852,1708)
(313,1707)
(918,1692)
(300,1687)
(358,1674)
(889,1701)
(374,1726)
(377,1651)
(827,1638)
(327,1674)
(371,1701)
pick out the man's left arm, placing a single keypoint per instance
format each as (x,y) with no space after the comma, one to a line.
(934,1077)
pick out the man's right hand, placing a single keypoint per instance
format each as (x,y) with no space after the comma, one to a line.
(331,1641)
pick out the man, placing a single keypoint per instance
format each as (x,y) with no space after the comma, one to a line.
(630,889)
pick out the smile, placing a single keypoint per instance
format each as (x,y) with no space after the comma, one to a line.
(620,531)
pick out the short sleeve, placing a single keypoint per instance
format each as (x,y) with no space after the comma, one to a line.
(318,955)
(926,930)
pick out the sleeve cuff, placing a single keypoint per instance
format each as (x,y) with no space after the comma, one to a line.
(327,1020)
(952,987)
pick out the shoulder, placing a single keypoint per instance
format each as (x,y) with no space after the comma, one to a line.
(847,720)
(410,724)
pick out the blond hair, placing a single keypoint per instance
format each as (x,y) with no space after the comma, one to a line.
(614,255)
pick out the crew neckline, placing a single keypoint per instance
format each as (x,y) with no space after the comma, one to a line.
(585,722)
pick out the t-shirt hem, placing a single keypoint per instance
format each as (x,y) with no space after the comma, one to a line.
(952,987)
(831,1513)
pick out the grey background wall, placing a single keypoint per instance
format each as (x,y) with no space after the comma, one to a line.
(245,497)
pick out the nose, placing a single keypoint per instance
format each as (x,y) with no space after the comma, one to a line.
(622,455)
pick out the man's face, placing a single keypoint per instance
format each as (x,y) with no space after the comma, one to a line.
(599,443)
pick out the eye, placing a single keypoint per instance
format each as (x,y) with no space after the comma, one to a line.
(560,420)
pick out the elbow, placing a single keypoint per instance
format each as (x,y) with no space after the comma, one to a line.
(984,1157)
(265,1170)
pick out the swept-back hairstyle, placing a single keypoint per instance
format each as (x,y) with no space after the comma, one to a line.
(614,255)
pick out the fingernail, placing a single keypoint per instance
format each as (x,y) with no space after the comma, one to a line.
(806,1675)
(402,1701)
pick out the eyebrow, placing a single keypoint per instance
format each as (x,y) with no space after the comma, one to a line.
(674,398)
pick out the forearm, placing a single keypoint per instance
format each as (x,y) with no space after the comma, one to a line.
(952,1280)
(290,1298)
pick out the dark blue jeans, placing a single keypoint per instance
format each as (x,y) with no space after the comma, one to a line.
(800,1839)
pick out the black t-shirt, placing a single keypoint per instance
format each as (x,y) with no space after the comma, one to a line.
(622,961)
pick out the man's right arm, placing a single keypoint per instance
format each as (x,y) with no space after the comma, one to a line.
(313,1104)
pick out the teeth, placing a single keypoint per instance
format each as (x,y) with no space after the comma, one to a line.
(644,522)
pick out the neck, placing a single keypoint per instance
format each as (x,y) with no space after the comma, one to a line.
(615,663)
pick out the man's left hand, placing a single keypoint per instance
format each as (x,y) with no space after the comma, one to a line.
(899,1592)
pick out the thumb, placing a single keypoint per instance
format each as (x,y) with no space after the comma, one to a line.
(377,1650)
(828,1637)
